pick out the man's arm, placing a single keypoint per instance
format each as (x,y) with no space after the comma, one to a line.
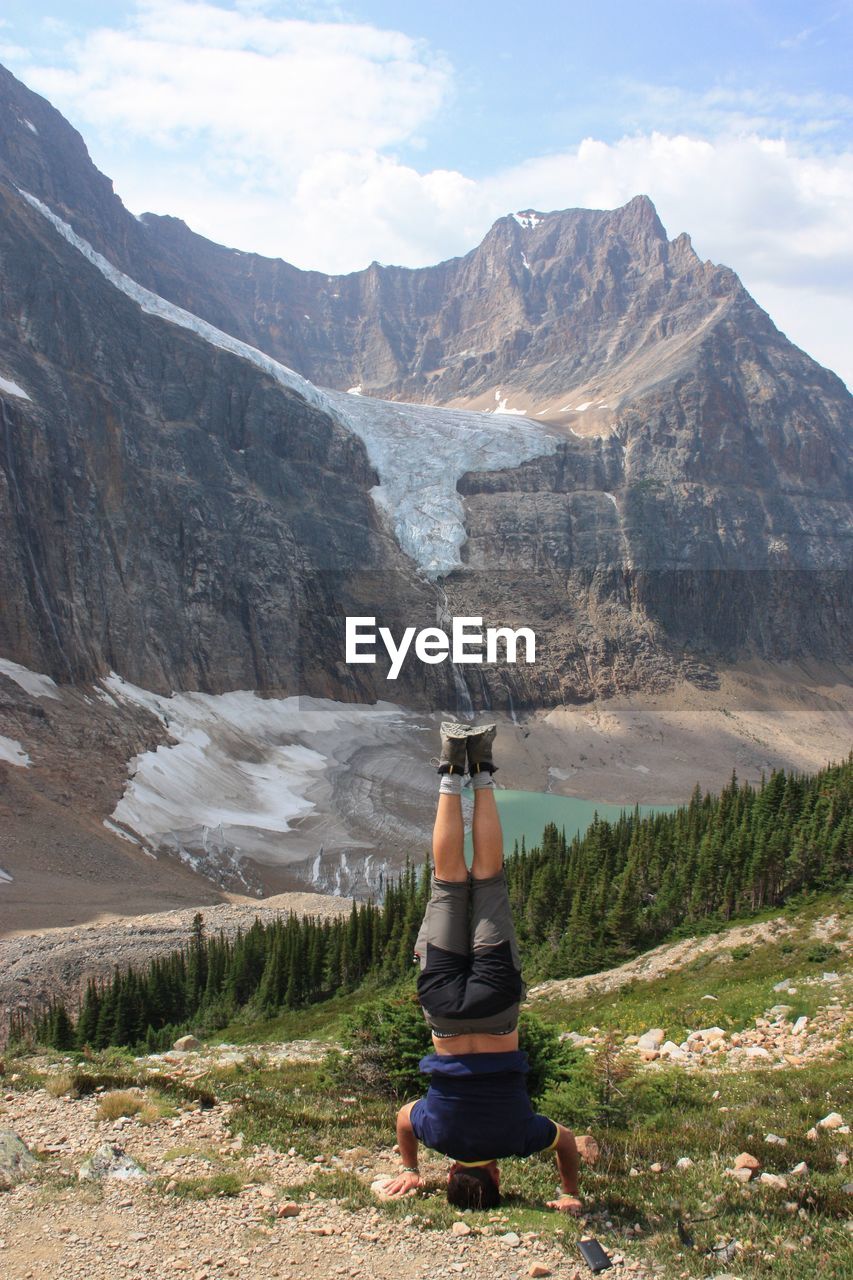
(568,1160)
(409,1179)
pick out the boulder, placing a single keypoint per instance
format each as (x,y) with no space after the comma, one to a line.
(747,1161)
(651,1039)
(109,1161)
(832,1121)
(187,1044)
(16,1159)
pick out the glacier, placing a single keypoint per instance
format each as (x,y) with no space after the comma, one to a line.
(419,452)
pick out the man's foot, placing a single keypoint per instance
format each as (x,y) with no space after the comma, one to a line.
(480,740)
(453,740)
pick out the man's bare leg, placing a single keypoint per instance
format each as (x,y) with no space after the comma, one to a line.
(448,840)
(487,834)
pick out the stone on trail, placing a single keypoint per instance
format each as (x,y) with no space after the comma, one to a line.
(512,1239)
(109,1161)
(289,1210)
(16,1159)
(537,1270)
(187,1044)
(832,1121)
(461,1229)
(800,1026)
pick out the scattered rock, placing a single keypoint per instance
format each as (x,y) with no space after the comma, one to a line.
(775,1141)
(812,1135)
(741,1175)
(512,1239)
(832,1121)
(288,1210)
(461,1229)
(684,1163)
(800,1026)
(537,1270)
(747,1161)
(651,1039)
(774,1180)
(799,1170)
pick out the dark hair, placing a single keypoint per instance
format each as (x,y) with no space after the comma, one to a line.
(473,1189)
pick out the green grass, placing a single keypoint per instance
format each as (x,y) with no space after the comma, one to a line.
(218,1184)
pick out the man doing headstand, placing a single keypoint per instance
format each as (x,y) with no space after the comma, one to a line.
(477,1108)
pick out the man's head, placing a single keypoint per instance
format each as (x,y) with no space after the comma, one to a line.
(474,1186)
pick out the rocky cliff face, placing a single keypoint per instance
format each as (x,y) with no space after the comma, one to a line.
(169,510)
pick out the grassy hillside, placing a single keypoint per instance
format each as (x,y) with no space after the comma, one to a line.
(665,1219)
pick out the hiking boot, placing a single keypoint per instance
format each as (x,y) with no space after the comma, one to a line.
(453,739)
(480,740)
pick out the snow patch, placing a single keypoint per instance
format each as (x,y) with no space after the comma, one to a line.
(10,388)
(354,391)
(527,219)
(30,126)
(612,499)
(243,773)
(5,878)
(524,262)
(31,682)
(419,452)
(11,752)
(501,406)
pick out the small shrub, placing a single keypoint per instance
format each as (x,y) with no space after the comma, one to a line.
(820,952)
(120,1102)
(59,1084)
(741,953)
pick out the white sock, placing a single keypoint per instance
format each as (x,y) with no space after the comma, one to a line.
(479,780)
(450,785)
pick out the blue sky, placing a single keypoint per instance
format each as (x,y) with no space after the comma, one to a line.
(335,134)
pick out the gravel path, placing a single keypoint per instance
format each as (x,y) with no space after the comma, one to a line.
(52,1227)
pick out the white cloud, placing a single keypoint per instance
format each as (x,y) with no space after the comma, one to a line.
(260,93)
(283,136)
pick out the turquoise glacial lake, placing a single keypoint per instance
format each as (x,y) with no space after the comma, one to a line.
(526,813)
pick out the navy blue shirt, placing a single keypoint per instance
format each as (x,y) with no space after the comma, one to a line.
(478,1107)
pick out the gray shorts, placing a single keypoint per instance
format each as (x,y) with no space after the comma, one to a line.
(470,979)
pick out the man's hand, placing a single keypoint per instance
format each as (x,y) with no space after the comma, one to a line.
(566,1203)
(404,1184)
